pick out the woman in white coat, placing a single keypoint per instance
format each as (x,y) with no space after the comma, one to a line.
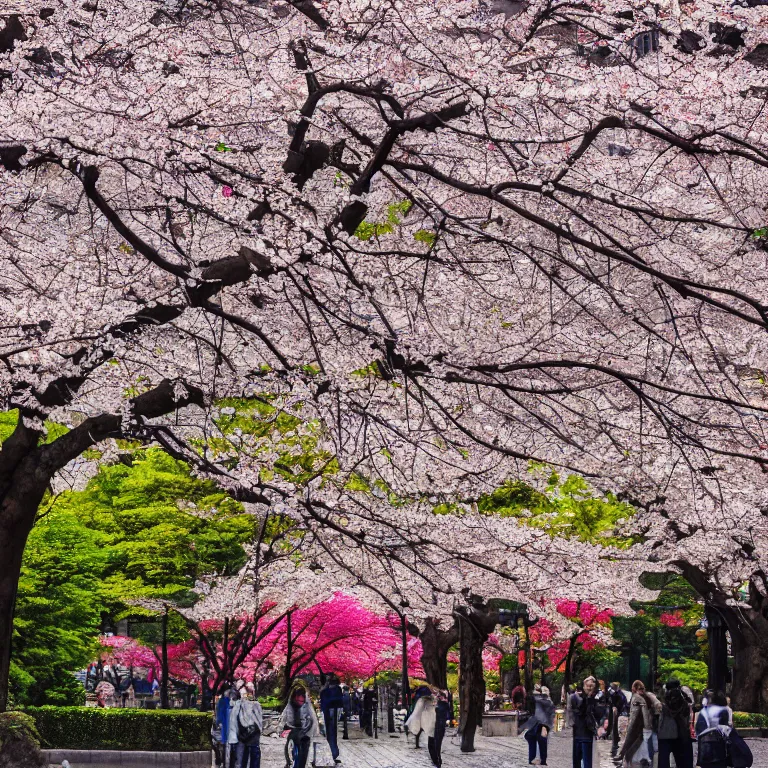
(422,719)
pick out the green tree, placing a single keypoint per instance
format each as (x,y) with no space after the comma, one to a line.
(143,528)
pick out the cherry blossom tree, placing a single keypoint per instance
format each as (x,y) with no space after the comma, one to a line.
(458,236)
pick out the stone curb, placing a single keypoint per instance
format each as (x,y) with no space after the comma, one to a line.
(109,758)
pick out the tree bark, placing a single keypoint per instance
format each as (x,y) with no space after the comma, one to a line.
(475,625)
(435,644)
(748,628)
(22,485)
(164,701)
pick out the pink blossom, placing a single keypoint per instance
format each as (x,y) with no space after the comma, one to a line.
(227,191)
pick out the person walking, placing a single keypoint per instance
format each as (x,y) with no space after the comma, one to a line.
(435,742)
(585,715)
(230,746)
(331,701)
(220,730)
(638,749)
(617,703)
(712,731)
(422,719)
(674,727)
(540,724)
(249,727)
(300,718)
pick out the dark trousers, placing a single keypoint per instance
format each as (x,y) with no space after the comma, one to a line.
(219,749)
(435,746)
(249,755)
(331,718)
(302,752)
(535,739)
(582,753)
(681,748)
(366,721)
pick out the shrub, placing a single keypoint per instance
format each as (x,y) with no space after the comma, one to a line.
(123,729)
(19,742)
(750,720)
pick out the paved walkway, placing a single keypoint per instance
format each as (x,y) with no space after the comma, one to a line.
(388,752)
(497,752)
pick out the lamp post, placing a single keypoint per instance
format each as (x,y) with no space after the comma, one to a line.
(406,688)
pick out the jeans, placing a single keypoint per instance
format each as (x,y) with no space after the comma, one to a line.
(582,753)
(615,732)
(535,739)
(331,718)
(302,752)
(230,752)
(681,748)
(249,755)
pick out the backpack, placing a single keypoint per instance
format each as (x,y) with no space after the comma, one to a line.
(713,744)
(247,724)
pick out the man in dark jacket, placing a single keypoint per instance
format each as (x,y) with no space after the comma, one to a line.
(331,701)
(586,716)
(674,728)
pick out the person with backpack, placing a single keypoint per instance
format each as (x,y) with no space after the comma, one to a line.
(639,747)
(585,717)
(674,729)
(539,724)
(249,726)
(712,732)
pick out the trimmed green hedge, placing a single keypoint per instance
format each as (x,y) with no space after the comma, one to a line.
(124,729)
(750,720)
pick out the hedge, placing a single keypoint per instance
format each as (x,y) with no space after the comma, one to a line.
(122,729)
(750,720)
(19,742)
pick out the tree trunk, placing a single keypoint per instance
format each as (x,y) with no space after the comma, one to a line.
(435,644)
(748,628)
(475,625)
(164,702)
(568,671)
(22,487)
(288,671)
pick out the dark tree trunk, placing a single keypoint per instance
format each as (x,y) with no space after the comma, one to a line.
(569,659)
(717,666)
(748,628)
(475,625)
(164,701)
(22,487)
(435,644)
(288,671)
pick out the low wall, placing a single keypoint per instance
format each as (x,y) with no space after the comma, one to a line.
(109,759)
(499,724)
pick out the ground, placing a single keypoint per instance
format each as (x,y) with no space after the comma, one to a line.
(497,752)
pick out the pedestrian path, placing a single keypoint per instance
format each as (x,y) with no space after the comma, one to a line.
(497,752)
(388,752)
